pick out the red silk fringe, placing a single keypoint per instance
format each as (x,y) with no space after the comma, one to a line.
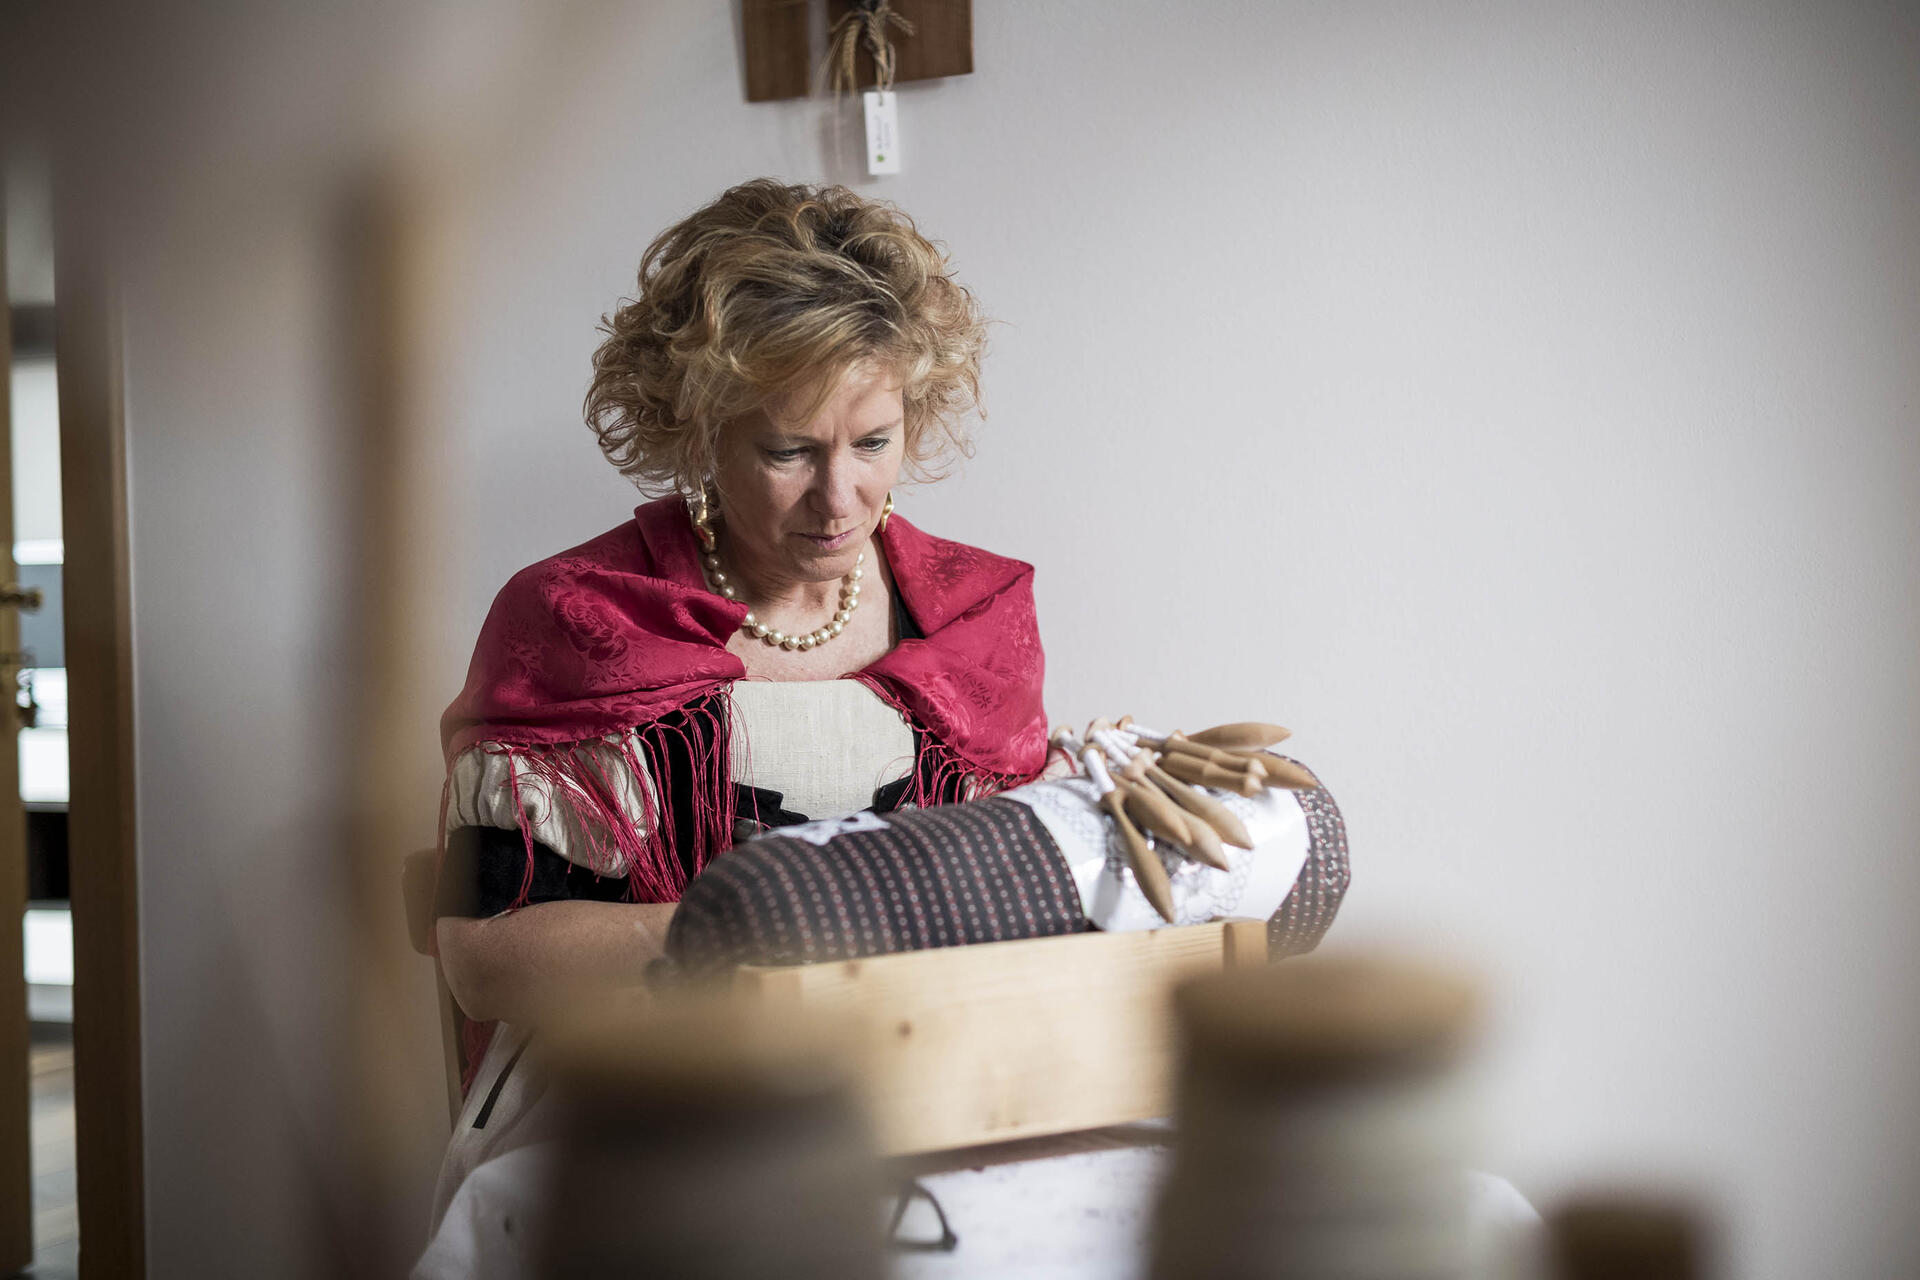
(940,774)
(581,779)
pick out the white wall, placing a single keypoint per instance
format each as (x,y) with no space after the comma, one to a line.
(1517,399)
(27,208)
(36,452)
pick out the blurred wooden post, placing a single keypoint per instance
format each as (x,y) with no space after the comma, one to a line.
(1322,1129)
(707,1140)
(394,775)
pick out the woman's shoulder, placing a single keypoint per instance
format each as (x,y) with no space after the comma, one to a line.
(619,610)
(941,577)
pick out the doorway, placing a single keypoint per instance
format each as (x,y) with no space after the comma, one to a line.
(70,1111)
(34,782)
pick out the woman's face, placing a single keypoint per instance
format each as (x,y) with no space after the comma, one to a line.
(798,500)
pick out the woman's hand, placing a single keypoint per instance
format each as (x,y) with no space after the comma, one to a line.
(520,964)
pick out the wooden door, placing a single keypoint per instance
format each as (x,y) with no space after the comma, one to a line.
(103,875)
(16,1141)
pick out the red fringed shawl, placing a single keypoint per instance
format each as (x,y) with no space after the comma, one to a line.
(586,657)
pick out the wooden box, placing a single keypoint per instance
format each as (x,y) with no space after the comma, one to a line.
(962,1046)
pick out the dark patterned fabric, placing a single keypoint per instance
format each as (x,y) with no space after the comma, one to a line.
(485,871)
(915,879)
(1304,917)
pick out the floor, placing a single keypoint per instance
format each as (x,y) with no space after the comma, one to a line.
(56,1212)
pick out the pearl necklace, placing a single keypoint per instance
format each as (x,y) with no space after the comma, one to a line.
(773,636)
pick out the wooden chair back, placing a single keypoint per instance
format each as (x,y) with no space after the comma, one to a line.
(418,875)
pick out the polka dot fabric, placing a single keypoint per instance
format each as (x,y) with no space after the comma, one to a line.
(913,879)
(1307,913)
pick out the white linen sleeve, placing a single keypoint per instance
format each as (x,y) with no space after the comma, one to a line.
(489,787)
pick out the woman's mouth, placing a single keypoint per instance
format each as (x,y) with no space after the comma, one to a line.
(833,543)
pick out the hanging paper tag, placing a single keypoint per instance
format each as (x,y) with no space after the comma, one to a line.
(883,132)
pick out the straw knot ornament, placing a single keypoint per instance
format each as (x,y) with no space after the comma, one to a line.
(865,21)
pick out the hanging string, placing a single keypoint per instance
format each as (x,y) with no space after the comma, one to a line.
(864,21)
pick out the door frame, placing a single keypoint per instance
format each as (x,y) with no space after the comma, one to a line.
(16,1047)
(109,1134)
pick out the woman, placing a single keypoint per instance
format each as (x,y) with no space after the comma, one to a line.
(767,645)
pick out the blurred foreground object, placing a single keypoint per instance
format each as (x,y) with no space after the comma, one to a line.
(1627,1237)
(708,1141)
(1322,1126)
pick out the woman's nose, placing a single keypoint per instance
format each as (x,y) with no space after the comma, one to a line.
(836,490)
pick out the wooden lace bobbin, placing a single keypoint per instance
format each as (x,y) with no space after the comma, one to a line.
(1154,812)
(1136,764)
(1628,1236)
(709,1139)
(1247,762)
(1206,845)
(1147,817)
(1201,772)
(1061,740)
(1148,873)
(1180,743)
(1323,1124)
(1223,820)
(1247,735)
(1147,870)
(1273,770)
(1287,775)
(1198,829)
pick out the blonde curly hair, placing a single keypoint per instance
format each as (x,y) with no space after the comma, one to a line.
(771,293)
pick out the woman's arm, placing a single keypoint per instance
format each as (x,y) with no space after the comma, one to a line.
(519,964)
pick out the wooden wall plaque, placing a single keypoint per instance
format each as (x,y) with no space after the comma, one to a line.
(776,46)
(779,61)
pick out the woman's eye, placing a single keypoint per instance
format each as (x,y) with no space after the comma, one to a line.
(785,455)
(876,444)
